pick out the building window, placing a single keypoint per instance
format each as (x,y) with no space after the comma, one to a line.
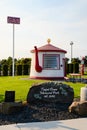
(51,61)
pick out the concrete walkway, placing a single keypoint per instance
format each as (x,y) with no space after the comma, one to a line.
(74,124)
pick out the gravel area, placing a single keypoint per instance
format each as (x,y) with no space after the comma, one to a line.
(34,113)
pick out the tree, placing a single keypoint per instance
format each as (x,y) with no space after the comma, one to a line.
(21,65)
(9,60)
(3,62)
(67,60)
(24,61)
(85,60)
(76,60)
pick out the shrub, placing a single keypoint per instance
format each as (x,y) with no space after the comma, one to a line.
(76,68)
(18,69)
(25,69)
(5,70)
(70,68)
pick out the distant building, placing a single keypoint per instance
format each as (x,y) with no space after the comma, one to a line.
(48,62)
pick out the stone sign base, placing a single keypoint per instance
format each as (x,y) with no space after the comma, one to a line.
(52,106)
(10,107)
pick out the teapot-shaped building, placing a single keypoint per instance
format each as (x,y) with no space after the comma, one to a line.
(48,62)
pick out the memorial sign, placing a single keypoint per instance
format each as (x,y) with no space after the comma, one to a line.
(51,92)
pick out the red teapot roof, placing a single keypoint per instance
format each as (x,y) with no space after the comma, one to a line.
(49,48)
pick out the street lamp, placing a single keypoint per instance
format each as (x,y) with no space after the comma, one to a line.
(71,43)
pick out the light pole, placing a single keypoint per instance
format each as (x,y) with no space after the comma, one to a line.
(71,43)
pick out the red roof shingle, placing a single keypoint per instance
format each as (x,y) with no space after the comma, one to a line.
(49,48)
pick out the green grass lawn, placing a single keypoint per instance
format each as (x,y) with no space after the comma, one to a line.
(76,87)
(22,84)
(19,84)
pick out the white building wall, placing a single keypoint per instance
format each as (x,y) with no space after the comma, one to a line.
(46,73)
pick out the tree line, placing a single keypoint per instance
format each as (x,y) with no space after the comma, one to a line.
(22,66)
(74,66)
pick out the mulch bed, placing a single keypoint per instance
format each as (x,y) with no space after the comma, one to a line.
(34,113)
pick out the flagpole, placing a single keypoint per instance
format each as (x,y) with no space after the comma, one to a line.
(13,50)
(13,20)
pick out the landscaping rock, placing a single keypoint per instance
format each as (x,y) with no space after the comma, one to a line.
(10,107)
(51,93)
(9,96)
(79,108)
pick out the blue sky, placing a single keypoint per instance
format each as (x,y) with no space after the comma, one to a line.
(62,21)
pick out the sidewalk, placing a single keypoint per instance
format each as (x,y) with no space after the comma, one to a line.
(74,124)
